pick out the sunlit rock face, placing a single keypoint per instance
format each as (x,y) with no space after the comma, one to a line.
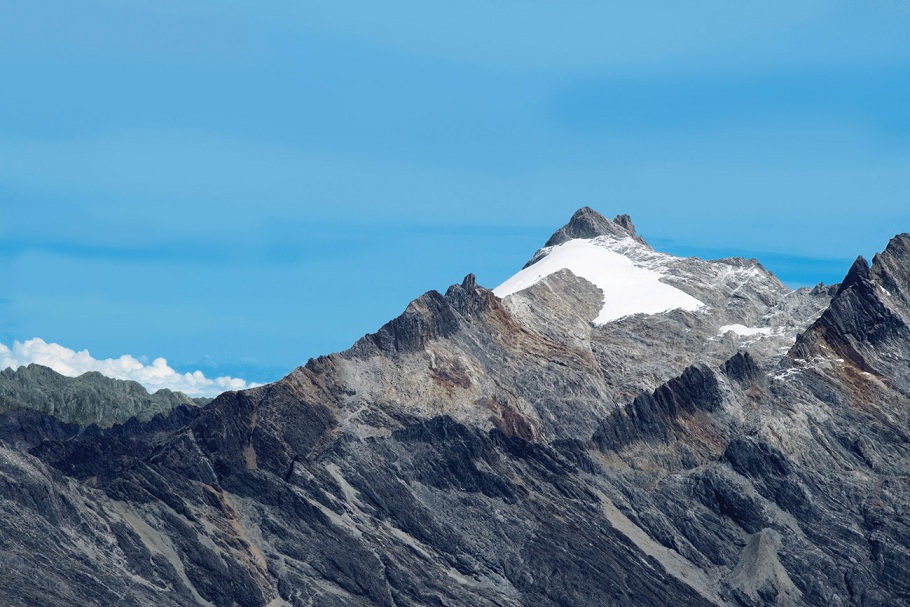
(611,426)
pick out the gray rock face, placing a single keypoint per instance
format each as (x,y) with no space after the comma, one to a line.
(588,223)
(88,399)
(478,452)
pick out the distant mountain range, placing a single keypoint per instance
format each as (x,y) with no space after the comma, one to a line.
(88,399)
(611,426)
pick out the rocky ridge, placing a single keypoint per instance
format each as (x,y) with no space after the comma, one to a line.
(88,399)
(487,451)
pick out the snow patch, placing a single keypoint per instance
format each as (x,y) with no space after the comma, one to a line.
(744,330)
(786,374)
(628,288)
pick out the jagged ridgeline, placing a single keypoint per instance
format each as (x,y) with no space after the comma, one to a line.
(88,399)
(610,426)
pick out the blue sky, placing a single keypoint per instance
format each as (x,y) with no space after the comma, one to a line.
(238,186)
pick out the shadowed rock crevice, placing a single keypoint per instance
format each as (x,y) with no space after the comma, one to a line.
(742,367)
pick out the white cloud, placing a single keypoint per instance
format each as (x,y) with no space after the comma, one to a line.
(153,376)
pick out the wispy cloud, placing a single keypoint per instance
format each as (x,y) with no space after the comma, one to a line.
(153,376)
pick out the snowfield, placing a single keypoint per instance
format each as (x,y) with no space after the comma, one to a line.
(628,288)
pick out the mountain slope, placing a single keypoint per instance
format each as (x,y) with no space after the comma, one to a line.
(487,451)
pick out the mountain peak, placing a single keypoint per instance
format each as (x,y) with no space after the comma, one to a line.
(625,222)
(889,268)
(858,273)
(613,258)
(586,223)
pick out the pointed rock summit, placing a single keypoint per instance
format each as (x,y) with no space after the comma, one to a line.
(586,223)
(889,268)
(858,273)
(625,221)
(867,324)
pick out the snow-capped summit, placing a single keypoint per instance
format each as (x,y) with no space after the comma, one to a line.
(706,304)
(629,286)
(634,278)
